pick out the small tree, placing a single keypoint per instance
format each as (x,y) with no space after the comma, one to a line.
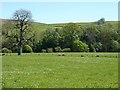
(101,21)
(50,39)
(79,46)
(71,32)
(91,35)
(107,35)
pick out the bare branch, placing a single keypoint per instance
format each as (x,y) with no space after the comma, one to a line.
(23,18)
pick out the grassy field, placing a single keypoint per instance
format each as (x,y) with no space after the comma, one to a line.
(51,70)
(39,27)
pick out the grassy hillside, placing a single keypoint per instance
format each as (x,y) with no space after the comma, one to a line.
(38,27)
(42,26)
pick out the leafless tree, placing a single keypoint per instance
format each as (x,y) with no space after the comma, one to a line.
(22,20)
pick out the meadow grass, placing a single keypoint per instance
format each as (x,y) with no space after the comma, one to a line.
(48,70)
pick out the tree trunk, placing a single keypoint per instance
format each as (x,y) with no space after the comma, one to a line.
(20,49)
(20,43)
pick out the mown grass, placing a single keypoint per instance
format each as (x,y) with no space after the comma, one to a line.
(49,70)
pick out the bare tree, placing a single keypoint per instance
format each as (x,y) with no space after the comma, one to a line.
(22,20)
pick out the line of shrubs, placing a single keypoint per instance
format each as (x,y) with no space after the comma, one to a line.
(57,49)
(25,49)
(28,49)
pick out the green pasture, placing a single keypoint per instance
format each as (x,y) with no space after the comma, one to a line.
(60,70)
(39,27)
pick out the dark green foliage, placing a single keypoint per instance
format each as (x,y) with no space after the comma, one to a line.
(43,50)
(9,36)
(90,36)
(107,36)
(114,46)
(97,46)
(49,50)
(27,49)
(50,38)
(92,48)
(58,49)
(71,32)
(5,50)
(37,46)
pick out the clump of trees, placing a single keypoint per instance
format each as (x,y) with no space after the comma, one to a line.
(96,37)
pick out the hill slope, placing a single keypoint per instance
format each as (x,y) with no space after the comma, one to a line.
(42,26)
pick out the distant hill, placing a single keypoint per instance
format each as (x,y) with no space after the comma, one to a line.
(42,26)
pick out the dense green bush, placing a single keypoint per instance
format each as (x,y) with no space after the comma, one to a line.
(27,49)
(97,46)
(37,46)
(92,48)
(114,45)
(79,46)
(66,50)
(71,32)
(50,38)
(43,50)
(58,49)
(5,50)
(49,50)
